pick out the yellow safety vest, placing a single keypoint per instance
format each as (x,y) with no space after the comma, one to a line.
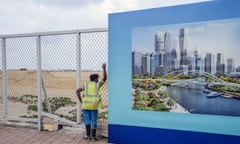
(91,99)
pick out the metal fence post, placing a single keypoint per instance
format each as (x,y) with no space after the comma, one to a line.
(78,53)
(4,80)
(39,82)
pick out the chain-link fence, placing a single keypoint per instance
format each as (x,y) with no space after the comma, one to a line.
(52,65)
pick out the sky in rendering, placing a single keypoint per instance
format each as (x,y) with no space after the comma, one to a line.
(219,36)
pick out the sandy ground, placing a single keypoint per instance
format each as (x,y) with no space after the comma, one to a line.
(56,84)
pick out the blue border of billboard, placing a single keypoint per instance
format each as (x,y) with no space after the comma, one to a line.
(132,126)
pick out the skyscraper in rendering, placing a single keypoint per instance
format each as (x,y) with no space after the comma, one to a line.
(183,46)
(210,65)
(198,62)
(220,64)
(158,53)
(170,52)
(146,63)
(230,65)
(136,63)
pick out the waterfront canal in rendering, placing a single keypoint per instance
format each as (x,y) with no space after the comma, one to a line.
(196,101)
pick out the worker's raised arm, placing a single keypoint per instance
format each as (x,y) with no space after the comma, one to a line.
(104,65)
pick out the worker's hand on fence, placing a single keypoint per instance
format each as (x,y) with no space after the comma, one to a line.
(104,66)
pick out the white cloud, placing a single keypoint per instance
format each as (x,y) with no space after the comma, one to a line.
(51,15)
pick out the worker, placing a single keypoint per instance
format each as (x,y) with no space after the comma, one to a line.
(91,102)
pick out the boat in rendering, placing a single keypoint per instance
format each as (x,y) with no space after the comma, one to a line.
(213,94)
(207,91)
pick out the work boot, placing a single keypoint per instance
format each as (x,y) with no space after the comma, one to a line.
(94,135)
(88,132)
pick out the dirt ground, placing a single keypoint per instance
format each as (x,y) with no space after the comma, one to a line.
(56,84)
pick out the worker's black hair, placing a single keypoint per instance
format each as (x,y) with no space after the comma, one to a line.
(93,77)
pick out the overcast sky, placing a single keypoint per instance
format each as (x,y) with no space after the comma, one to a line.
(26,16)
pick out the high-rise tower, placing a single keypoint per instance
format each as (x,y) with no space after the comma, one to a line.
(136,63)
(158,43)
(230,65)
(210,65)
(170,52)
(146,64)
(183,46)
(159,53)
(220,63)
